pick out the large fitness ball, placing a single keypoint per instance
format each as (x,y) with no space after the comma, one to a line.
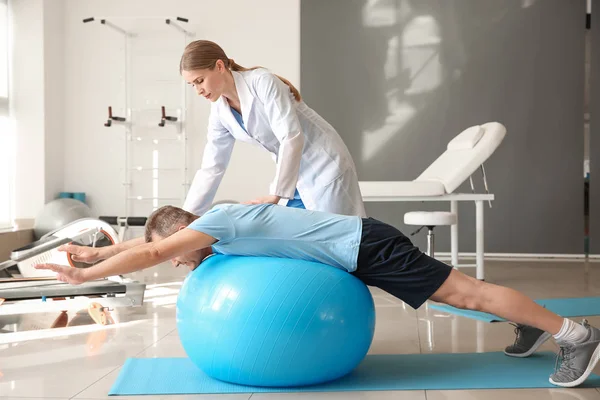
(264,321)
(58,213)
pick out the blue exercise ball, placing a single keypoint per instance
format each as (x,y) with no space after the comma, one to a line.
(263,321)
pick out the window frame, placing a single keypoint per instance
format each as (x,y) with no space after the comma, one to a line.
(7,135)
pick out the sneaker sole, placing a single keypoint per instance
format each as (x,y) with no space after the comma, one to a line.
(540,341)
(593,361)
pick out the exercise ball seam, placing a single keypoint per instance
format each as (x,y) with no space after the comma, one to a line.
(298,320)
(271,323)
(249,317)
(303,273)
(220,331)
(312,317)
(286,318)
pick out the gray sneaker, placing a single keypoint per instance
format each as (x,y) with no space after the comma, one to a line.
(577,360)
(527,341)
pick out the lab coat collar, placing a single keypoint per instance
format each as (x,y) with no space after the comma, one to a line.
(246,98)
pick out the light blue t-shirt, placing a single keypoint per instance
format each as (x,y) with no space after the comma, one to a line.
(239,118)
(275,231)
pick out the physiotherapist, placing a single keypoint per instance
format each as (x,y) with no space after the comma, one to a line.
(314,169)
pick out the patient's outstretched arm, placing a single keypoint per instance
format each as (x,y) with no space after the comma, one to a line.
(91,255)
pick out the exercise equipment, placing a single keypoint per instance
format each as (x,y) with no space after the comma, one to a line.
(380,372)
(84,232)
(58,213)
(273,321)
(429,219)
(465,153)
(151,119)
(29,290)
(100,314)
(124,223)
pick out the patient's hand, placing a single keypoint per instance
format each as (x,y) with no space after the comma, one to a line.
(264,200)
(84,254)
(74,276)
(177,264)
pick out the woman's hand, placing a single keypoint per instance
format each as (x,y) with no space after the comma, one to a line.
(264,200)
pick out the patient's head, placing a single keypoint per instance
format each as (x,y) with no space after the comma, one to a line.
(167,220)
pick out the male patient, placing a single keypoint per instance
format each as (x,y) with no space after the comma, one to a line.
(376,253)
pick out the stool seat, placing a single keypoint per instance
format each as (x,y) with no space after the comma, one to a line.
(430,218)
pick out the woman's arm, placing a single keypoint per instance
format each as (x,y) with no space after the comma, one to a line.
(281,112)
(215,160)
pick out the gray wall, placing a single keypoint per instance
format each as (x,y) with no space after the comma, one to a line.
(397,96)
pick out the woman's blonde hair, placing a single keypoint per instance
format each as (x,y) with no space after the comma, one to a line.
(203,54)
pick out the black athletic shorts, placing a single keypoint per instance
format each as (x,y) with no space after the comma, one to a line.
(388,260)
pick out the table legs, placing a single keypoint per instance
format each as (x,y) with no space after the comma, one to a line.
(479,238)
(454,234)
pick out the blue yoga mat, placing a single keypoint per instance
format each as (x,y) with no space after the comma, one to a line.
(572,307)
(166,376)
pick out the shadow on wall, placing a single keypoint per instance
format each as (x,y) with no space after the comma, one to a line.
(403,77)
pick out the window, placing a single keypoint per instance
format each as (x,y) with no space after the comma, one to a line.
(3,58)
(7,147)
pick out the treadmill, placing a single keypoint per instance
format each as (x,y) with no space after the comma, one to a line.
(23,289)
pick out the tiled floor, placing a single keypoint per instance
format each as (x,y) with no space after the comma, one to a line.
(85,365)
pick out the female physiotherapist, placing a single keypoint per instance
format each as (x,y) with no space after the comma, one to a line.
(314,169)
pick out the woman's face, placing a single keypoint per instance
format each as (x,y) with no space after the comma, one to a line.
(208,83)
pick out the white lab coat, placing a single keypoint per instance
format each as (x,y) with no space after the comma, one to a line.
(309,153)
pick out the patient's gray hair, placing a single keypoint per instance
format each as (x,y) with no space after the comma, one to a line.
(166,220)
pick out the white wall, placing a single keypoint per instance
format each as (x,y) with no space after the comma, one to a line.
(27,105)
(263,32)
(54,99)
(37,102)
